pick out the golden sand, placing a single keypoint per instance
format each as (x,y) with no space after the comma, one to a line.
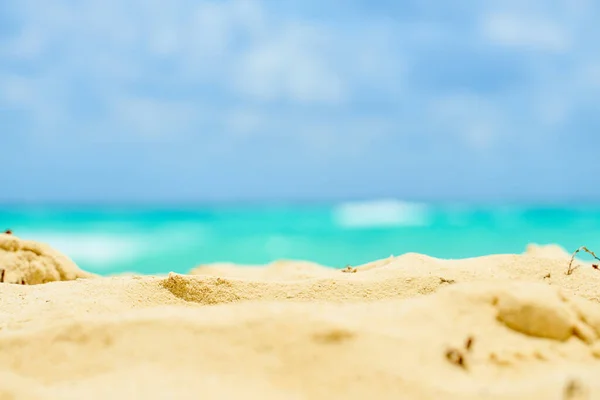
(28,262)
(407,327)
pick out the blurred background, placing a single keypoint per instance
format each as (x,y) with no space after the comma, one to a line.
(154,136)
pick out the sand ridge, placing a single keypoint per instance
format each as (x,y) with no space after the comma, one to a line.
(399,277)
(412,327)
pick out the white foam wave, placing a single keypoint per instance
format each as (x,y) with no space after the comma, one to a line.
(381,213)
(92,249)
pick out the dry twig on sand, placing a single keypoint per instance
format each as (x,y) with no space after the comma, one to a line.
(349,269)
(585,249)
(575,390)
(458,356)
(469,343)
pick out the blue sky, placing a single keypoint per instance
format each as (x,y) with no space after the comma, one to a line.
(179,101)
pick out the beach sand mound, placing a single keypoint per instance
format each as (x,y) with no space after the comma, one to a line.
(410,327)
(398,277)
(277,270)
(548,251)
(467,341)
(29,262)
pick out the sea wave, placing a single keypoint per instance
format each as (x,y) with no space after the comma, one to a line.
(101,246)
(381,213)
(93,249)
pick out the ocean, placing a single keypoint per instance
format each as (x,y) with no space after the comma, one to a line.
(111,239)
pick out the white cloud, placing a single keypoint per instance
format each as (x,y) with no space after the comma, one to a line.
(248,58)
(26,46)
(41,99)
(153,118)
(525,31)
(552,109)
(475,120)
(210,31)
(245,121)
(291,64)
(231,45)
(589,74)
(165,42)
(16,90)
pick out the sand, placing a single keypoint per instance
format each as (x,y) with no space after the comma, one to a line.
(405,327)
(29,262)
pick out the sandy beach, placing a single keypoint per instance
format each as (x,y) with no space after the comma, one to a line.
(405,327)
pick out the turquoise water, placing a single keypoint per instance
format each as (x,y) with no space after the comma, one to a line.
(158,240)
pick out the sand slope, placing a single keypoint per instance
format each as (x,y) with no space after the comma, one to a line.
(396,328)
(29,262)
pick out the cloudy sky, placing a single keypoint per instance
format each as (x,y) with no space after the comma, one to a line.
(187,100)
